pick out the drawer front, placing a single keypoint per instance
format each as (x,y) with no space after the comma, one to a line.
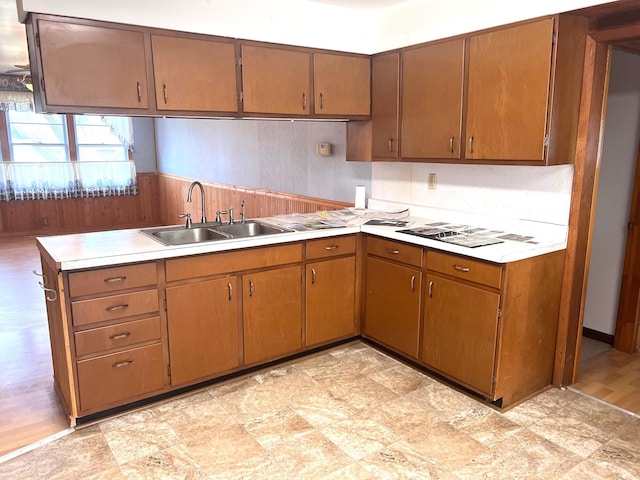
(117,336)
(465,268)
(228,262)
(114,306)
(331,247)
(105,280)
(120,377)
(396,251)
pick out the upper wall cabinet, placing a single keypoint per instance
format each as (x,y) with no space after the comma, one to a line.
(194,75)
(342,85)
(385,90)
(276,80)
(509,92)
(432,78)
(77,65)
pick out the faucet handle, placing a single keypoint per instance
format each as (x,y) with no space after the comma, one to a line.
(188,223)
(218,213)
(231,219)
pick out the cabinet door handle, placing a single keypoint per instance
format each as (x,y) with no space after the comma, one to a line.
(120,336)
(471,144)
(115,308)
(321,101)
(331,247)
(115,279)
(451,144)
(391,144)
(164,93)
(313,276)
(304,101)
(139,87)
(251,288)
(393,252)
(413,283)
(461,269)
(230,287)
(122,364)
(431,289)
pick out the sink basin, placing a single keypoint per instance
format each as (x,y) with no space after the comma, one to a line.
(184,236)
(209,233)
(250,228)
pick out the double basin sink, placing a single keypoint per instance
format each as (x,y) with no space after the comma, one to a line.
(210,232)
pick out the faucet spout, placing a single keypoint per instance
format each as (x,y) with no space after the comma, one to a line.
(193,184)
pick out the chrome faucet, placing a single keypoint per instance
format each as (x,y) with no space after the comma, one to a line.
(231,219)
(193,184)
(242,211)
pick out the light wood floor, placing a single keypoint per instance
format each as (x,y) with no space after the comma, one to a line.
(29,409)
(610,375)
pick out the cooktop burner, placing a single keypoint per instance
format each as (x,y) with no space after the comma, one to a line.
(464,239)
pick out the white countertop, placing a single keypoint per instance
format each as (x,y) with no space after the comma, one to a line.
(113,247)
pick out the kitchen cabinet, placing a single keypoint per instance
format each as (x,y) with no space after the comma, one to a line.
(460,329)
(81,67)
(432,89)
(393,294)
(272,314)
(117,335)
(193,74)
(330,289)
(342,85)
(276,80)
(385,104)
(509,89)
(203,328)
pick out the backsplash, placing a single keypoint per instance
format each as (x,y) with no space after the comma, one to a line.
(540,194)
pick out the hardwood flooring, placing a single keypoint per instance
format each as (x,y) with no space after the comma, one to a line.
(611,376)
(29,408)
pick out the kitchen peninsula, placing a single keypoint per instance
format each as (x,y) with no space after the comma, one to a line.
(133,319)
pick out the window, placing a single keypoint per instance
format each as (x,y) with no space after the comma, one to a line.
(65,156)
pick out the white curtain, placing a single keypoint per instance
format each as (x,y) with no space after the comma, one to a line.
(121,127)
(58,180)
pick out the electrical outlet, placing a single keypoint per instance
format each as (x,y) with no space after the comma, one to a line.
(44,221)
(433,181)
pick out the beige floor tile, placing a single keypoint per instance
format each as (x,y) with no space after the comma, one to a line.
(401,461)
(400,379)
(22,467)
(274,428)
(323,409)
(174,462)
(486,426)
(350,472)
(359,437)
(587,470)
(571,434)
(543,405)
(447,402)
(619,456)
(402,416)
(359,392)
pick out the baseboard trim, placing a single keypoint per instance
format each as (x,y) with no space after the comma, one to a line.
(599,336)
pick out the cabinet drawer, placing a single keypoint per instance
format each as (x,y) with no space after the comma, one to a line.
(120,377)
(115,336)
(466,268)
(397,251)
(114,306)
(228,262)
(107,280)
(331,247)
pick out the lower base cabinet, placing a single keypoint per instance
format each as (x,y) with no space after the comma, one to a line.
(203,326)
(272,314)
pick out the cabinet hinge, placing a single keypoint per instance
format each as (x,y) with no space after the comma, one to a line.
(239,61)
(164,303)
(499,312)
(38,40)
(554,37)
(630,226)
(42,84)
(169,370)
(546,141)
(241,96)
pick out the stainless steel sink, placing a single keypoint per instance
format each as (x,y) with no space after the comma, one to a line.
(210,232)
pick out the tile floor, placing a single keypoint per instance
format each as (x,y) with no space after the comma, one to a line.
(347,413)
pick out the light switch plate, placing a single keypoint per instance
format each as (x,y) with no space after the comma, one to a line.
(324,149)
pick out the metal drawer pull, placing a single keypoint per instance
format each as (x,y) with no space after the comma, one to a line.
(117,307)
(251,288)
(431,289)
(321,101)
(451,144)
(313,276)
(391,144)
(120,336)
(471,144)
(115,279)
(413,283)
(304,101)
(122,364)
(164,93)
(461,269)
(139,92)
(230,287)
(331,247)
(393,252)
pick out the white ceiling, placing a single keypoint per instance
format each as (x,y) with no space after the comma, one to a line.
(13,40)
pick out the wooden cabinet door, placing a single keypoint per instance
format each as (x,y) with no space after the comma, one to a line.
(432,78)
(460,332)
(203,329)
(385,91)
(392,310)
(330,300)
(342,84)
(194,75)
(275,80)
(272,308)
(89,66)
(509,72)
